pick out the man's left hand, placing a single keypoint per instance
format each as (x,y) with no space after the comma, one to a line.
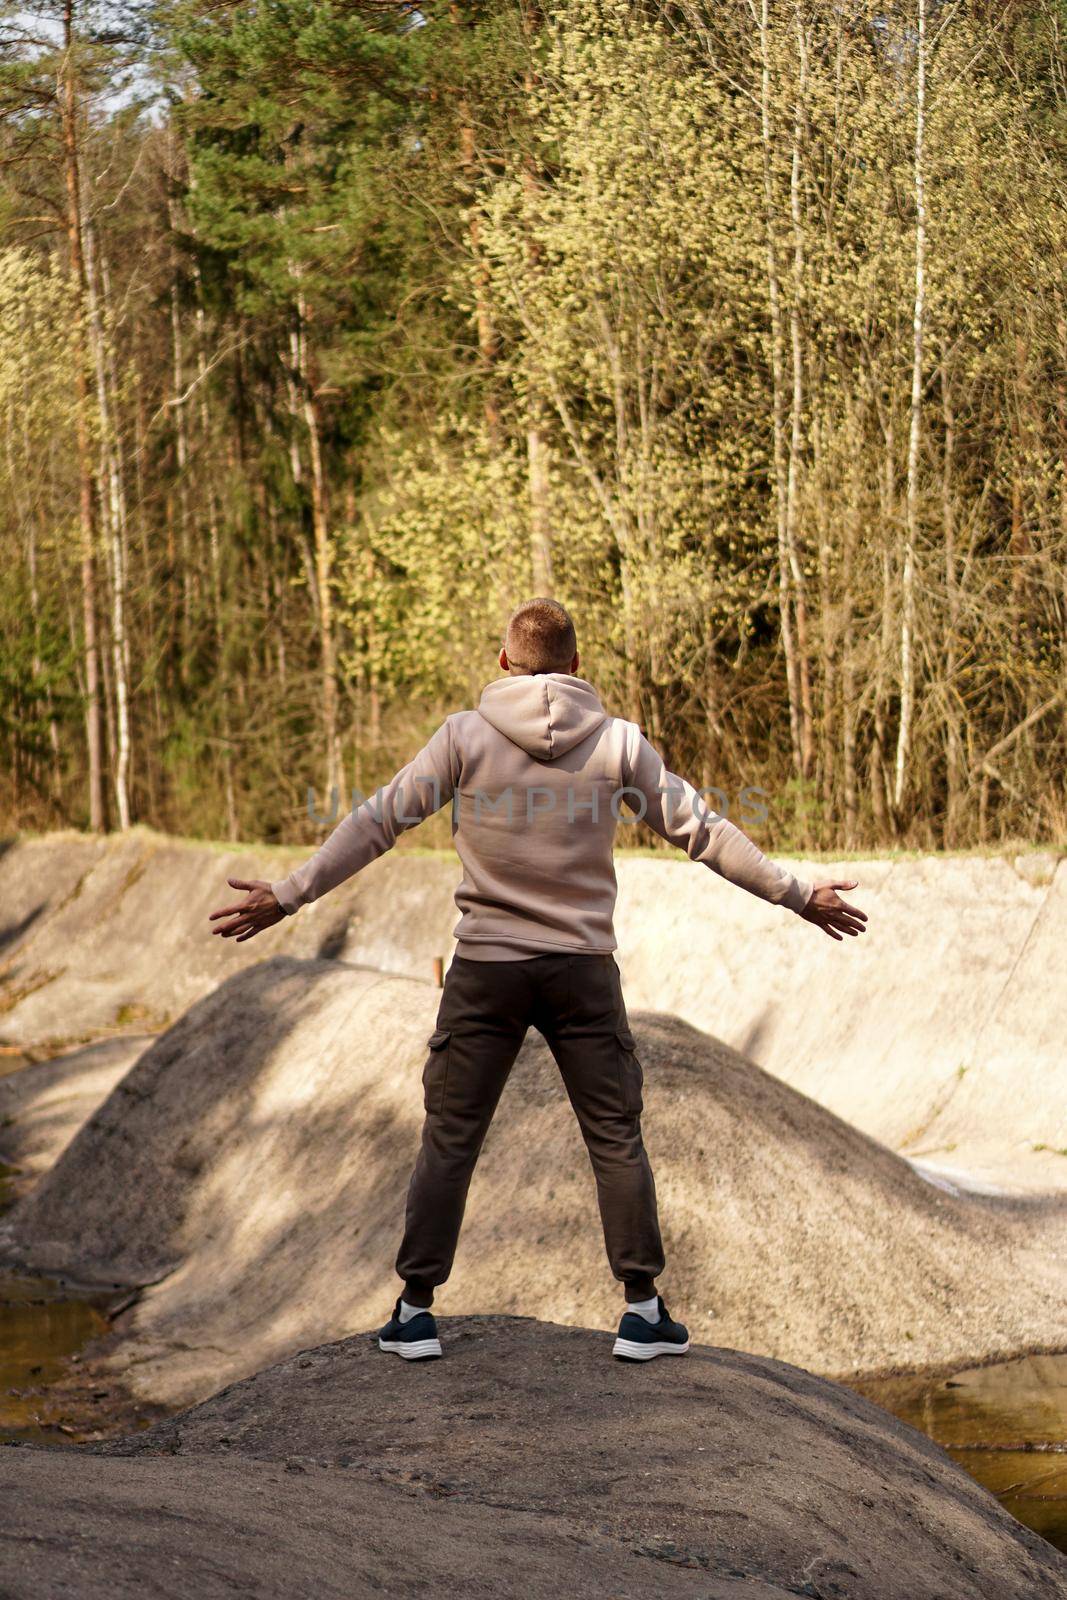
(833,915)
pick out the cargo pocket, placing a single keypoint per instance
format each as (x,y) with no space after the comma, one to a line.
(631,1076)
(435,1072)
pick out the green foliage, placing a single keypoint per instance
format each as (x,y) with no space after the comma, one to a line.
(398,313)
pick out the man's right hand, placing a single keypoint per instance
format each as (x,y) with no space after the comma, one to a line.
(260,910)
(833,915)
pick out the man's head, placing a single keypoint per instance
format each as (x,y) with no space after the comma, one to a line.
(540,638)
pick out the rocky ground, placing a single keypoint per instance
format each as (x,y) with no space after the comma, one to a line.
(526,1463)
(218,1140)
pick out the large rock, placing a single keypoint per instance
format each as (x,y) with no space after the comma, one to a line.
(525,1464)
(251,1171)
(939,1033)
(104,934)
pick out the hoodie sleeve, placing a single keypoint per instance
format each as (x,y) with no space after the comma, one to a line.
(416,792)
(680,815)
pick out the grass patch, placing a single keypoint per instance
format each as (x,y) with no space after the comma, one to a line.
(408,845)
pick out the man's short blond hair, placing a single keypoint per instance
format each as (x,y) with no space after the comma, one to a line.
(540,637)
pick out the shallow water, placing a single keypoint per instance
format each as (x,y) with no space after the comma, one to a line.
(1006,1425)
(42,1326)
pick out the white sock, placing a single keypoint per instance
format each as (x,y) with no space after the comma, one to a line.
(407,1312)
(649,1309)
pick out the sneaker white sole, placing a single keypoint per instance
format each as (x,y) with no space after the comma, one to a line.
(632,1350)
(411,1349)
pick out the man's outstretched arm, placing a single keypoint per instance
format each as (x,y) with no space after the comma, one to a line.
(416,792)
(678,814)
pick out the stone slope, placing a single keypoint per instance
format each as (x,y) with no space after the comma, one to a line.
(98,933)
(44,1104)
(251,1171)
(940,1032)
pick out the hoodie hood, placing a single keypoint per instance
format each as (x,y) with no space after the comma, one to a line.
(545,715)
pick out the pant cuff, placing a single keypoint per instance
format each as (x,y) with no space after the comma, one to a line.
(418,1294)
(640,1288)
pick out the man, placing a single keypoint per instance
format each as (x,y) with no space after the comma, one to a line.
(536,776)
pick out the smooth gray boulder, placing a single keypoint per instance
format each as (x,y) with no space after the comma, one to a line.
(528,1464)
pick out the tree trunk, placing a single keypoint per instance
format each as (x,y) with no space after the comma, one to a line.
(1025,446)
(792,515)
(113,522)
(953,746)
(540,512)
(181,445)
(537,449)
(828,615)
(907,598)
(208,469)
(151,766)
(90,649)
(488,343)
(323,552)
(296,467)
(853,515)
(778,403)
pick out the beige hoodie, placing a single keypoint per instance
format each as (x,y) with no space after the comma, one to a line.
(538,777)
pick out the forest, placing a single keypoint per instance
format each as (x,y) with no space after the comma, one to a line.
(330,329)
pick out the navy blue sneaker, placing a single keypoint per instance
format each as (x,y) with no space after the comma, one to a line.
(640,1340)
(415,1340)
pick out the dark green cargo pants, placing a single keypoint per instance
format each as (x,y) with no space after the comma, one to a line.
(486,1009)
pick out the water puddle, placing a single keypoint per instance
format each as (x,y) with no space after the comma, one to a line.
(43,1330)
(47,1395)
(1006,1425)
(45,1327)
